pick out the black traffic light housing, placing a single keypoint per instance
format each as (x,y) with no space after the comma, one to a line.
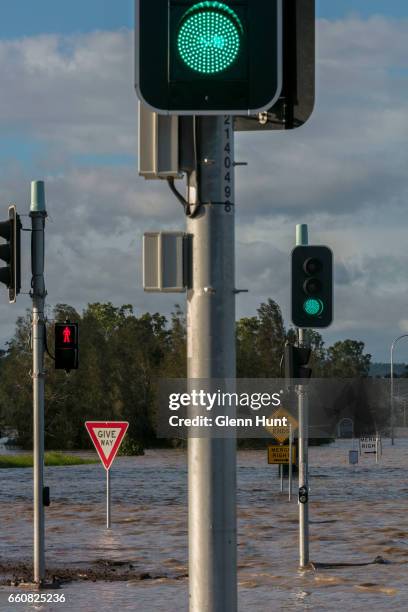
(303,495)
(296,101)
(208,56)
(46,497)
(10,252)
(66,346)
(312,286)
(296,362)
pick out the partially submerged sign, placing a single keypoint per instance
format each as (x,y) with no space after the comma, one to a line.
(370,445)
(107,437)
(282,432)
(280,455)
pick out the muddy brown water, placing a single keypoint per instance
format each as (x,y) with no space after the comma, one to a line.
(357,513)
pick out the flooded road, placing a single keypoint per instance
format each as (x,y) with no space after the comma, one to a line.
(357,514)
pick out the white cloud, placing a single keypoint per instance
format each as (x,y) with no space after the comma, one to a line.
(75,93)
(344,173)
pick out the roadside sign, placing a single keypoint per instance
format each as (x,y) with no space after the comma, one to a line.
(107,437)
(369,445)
(280,455)
(282,432)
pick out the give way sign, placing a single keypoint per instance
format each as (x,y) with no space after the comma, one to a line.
(107,436)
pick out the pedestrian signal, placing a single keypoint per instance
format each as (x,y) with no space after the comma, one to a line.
(66,346)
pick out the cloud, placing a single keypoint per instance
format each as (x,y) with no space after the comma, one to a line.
(73,92)
(69,106)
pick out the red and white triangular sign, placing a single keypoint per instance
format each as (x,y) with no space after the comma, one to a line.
(107,437)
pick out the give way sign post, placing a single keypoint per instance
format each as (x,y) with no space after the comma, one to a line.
(107,437)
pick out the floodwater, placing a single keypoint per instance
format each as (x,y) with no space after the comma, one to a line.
(357,513)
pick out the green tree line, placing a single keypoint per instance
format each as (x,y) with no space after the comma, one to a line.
(122,356)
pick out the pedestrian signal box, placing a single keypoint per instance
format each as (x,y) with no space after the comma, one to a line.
(66,346)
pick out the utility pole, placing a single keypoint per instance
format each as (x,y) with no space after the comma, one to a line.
(38,215)
(211,355)
(393,343)
(182,70)
(303,413)
(290,461)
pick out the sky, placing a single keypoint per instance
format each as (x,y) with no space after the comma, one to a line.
(68,115)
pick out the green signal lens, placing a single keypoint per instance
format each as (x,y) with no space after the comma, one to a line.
(313,307)
(209,39)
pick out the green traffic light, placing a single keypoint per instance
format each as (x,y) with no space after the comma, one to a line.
(209,39)
(313,307)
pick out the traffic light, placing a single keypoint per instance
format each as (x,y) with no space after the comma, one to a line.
(296,101)
(66,346)
(296,361)
(209,56)
(303,495)
(312,286)
(10,252)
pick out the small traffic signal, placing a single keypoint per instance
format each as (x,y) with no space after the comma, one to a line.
(296,362)
(208,56)
(303,495)
(312,286)
(10,252)
(66,346)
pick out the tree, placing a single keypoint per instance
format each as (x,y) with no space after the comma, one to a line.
(122,358)
(260,342)
(16,382)
(272,337)
(318,359)
(175,359)
(248,354)
(346,359)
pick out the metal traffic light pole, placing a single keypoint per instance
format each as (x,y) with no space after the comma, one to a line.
(38,214)
(394,342)
(211,354)
(303,412)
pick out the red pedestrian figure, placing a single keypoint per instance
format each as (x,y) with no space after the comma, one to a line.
(67,335)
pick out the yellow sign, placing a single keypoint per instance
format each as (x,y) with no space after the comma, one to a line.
(280,454)
(282,432)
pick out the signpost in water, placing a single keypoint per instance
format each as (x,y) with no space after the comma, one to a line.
(107,437)
(371,445)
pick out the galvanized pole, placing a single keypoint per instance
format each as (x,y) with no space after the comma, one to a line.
(38,215)
(108,500)
(394,342)
(290,462)
(392,390)
(281,476)
(302,239)
(211,354)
